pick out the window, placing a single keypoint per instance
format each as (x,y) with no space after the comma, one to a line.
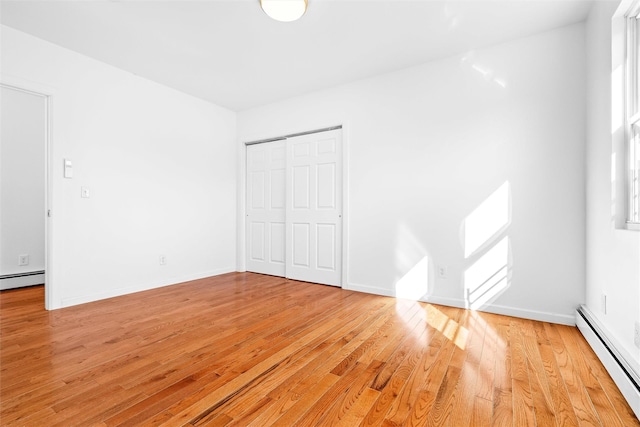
(632,115)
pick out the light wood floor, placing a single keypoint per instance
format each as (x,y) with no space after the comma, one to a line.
(246,349)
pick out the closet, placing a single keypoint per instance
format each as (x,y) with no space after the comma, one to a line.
(294,207)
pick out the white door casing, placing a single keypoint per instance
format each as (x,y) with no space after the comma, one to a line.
(266,208)
(314,208)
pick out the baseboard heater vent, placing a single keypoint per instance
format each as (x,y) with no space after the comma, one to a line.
(13,276)
(625,377)
(19,280)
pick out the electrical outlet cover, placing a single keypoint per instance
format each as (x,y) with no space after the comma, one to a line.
(636,335)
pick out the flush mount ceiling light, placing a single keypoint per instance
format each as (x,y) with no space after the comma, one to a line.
(284,10)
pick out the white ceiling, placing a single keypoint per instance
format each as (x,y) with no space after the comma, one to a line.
(230,53)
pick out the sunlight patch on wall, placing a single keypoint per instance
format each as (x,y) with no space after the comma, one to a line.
(412,265)
(487,220)
(488,277)
(413,285)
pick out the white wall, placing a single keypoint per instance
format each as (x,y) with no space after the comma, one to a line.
(613,254)
(22,185)
(159,164)
(427,146)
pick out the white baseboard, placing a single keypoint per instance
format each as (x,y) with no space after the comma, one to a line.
(621,369)
(542,316)
(22,281)
(369,289)
(450,302)
(563,319)
(68,302)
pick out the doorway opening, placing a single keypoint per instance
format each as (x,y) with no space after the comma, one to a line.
(24,191)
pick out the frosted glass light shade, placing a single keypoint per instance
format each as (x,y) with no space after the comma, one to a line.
(284,10)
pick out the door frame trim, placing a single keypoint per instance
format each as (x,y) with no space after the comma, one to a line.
(47,94)
(241,252)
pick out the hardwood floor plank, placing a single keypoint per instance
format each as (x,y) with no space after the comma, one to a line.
(606,412)
(502,392)
(543,405)
(486,368)
(581,403)
(523,413)
(273,411)
(250,413)
(407,379)
(360,408)
(419,374)
(464,395)
(346,400)
(329,398)
(244,349)
(608,387)
(560,400)
(481,413)
(441,391)
(308,399)
(305,364)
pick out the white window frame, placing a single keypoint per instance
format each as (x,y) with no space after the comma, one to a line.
(632,114)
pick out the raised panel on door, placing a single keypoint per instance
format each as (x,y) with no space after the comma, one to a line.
(256,252)
(277,252)
(326,185)
(301,245)
(314,208)
(265,223)
(326,246)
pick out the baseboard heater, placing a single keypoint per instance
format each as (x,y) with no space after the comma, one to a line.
(19,280)
(625,377)
(13,276)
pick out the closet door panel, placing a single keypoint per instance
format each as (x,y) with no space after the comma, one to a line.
(265,221)
(314,208)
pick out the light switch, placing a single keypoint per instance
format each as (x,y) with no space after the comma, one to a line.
(84,192)
(68,168)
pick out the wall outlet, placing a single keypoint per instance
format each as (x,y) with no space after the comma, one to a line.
(442,271)
(636,335)
(23,259)
(603,303)
(163,260)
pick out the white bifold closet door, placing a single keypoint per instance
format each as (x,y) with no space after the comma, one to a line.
(303,241)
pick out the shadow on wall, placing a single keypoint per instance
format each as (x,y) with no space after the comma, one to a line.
(484,239)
